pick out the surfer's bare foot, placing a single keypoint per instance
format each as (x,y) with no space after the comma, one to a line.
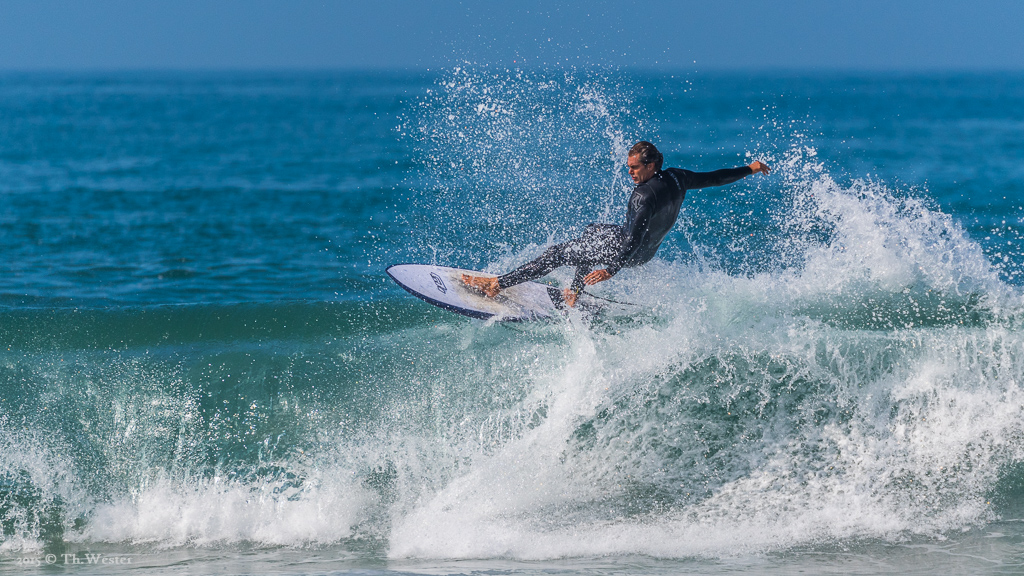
(569,295)
(486,284)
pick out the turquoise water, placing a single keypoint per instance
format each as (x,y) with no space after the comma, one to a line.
(205,369)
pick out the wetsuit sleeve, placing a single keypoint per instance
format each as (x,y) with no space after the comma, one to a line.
(577,282)
(636,228)
(692,180)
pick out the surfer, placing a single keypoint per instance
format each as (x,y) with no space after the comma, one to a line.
(653,209)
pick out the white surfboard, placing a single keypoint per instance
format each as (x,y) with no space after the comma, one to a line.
(443,287)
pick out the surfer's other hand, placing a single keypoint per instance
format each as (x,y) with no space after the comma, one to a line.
(596,276)
(758,166)
(569,295)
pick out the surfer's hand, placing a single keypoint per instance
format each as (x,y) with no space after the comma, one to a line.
(569,295)
(596,276)
(758,166)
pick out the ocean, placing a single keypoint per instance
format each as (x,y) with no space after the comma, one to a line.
(205,369)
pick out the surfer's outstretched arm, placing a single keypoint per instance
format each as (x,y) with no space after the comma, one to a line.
(694,180)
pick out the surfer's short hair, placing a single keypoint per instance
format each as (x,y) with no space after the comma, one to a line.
(648,153)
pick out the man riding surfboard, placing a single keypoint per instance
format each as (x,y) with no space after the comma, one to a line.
(652,211)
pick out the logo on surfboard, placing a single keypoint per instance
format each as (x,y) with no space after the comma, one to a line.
(439,283)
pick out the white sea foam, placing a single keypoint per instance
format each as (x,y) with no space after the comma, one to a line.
(36,477)
(208,512)
(760,412)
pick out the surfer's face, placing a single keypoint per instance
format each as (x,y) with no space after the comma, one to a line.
(639,171)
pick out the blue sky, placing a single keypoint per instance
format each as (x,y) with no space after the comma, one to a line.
(682,35)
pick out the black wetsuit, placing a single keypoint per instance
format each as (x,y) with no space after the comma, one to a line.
(653,209)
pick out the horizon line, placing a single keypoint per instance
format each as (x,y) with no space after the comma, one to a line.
(760,70)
